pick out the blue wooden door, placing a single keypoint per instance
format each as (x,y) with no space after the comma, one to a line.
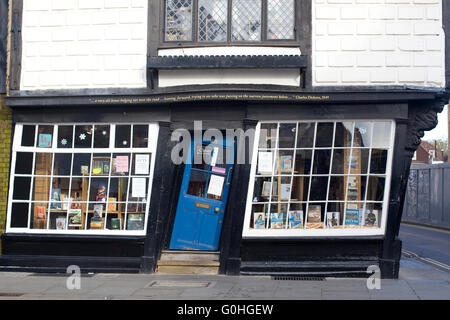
(203,196)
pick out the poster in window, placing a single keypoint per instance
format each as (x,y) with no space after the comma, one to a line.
(138,188)
(266,189)
(259,220)
(55,198)
(74,216)
(295,218)
(352,215)
(371,218)
(314,219)
(265,164)
(286,163)
(45,140)
(332,219)
(285,191)
(276,220)
(142,163)
(60,223)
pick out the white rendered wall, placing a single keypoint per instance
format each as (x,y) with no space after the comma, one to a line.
(71,44)
(378,42)
(287,77)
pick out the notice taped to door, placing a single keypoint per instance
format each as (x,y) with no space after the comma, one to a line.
(216,185)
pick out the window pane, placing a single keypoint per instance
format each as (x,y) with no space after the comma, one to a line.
(41,188)
(118,189)
(259,216)
(300,187)
(284,162)
(43,165)
(315,216)
(372,215)
(340,164)
(99,190)
(123,136)
(65,136)
(334,215)
(101,164)
(280,19)
(287,135)
(83,136)
(178,20)
(268,136)
(39,215)
(319,187)
(197,183)
(57,221)
(141,164)
(381,134)
(324,136)
(322,159)
(77,187)
(343,138)
(101,136)
(212,20)
(278,213)
(63,186)
(303,161)
(24,162)
(21,188)
(356,188)
(353,215)
(359,161)
(81,164)
(246,20)
(296,215)
(378,161)
(19,215)
(305,138)
(138,189)
(140,136)
(261,191)
(363,133)
(63,164)
(375,188)
(337,188)
(28,133)
(121,164)
(135,216)
(45,136)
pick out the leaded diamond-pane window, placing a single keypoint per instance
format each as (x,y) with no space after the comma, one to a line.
(212,20)
(229,21)
(280,24)
(178,20)
(246,23)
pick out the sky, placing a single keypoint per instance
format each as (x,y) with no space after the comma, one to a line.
(441,131)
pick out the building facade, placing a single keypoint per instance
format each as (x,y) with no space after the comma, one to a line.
(276,134)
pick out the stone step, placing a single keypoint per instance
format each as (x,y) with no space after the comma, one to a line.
(189,256)
(189,262)
(188,270)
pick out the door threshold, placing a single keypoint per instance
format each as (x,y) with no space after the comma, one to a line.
(190,251)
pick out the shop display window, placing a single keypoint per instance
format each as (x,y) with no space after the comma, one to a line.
(88,181)
(319,178)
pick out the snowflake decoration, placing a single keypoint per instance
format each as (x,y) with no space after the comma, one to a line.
(125,142)
(82,136)
(362,130)
(64,142)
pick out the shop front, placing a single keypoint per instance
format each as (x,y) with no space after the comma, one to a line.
(269,187)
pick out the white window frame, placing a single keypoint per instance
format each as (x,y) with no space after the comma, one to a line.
(153,133)
(249,233)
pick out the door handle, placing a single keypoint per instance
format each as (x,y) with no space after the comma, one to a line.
(216,210)
(228,177)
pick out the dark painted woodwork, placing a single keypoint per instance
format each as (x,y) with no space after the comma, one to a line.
(16,45)
(3,43)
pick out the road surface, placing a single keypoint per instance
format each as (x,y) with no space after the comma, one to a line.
(429,245)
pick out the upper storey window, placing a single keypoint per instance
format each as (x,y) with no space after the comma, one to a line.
(229,21)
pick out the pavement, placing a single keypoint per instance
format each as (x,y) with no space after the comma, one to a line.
(424,275)
(418,281)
